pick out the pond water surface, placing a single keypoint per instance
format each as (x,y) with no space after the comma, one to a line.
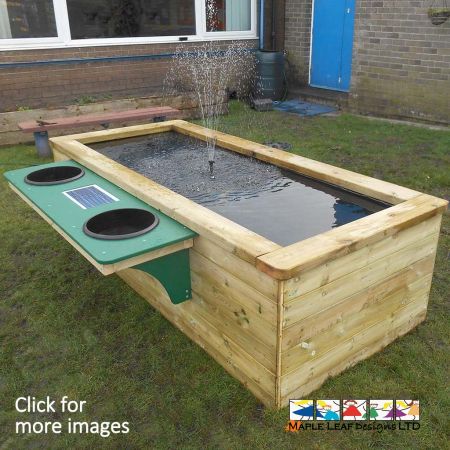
(278,204)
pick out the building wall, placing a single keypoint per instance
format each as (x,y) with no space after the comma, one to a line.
(297,39)
(59,84)
(401,62)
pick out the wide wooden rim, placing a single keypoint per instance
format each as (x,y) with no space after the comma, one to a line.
(282,263)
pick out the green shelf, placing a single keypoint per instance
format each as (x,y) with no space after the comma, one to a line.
(69,217)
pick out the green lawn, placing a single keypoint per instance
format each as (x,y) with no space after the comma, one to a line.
(67,330)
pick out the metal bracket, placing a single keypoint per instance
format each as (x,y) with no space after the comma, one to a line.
(173,272)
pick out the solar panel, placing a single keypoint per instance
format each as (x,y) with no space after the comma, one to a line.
(90,196)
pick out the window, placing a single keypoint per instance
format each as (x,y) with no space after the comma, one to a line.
(57,23)
(228,15)
(90,19)
(27,19)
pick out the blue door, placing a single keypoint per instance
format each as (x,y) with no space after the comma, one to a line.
(332,44)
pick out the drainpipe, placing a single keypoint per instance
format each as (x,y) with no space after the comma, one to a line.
(261,24)
(273,31)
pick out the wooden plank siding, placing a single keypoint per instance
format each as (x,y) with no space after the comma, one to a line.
(333,269)
(298,384)
(356,281)
(354,316)
(347,306)
(234,322)
(322,319)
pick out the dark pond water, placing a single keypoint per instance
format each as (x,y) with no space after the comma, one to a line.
(275,203)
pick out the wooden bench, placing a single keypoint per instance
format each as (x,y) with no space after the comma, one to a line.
(40,128)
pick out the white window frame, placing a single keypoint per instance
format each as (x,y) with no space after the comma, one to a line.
(64,40)
(252,33)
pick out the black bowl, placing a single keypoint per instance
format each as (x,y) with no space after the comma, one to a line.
(54,175)
(120,224)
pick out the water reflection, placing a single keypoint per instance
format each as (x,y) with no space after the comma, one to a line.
(277,204)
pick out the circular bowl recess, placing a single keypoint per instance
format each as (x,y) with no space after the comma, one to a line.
(54,175)
(120,223)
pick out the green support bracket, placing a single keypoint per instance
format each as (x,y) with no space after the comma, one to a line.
(173,272)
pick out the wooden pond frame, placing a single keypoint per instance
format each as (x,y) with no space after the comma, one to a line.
(284,319)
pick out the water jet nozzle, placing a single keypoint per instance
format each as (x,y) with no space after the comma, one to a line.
(211,169)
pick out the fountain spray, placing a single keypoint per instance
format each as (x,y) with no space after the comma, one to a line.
(205,73)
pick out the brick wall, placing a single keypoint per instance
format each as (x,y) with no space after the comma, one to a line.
(401,62)
(297,39)
(401,65)
(61,84)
